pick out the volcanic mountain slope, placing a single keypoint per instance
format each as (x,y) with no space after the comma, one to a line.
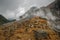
(32,28)
(35,28)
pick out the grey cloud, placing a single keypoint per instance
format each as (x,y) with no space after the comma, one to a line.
(9,4)
(12,5)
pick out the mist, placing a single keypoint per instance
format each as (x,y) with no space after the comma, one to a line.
(12,9)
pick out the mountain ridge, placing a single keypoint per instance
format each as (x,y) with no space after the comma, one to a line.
(3,20)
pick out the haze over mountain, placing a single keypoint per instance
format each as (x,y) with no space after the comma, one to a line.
(10,8)
(3,20)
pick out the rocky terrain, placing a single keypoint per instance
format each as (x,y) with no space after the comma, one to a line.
(35,28)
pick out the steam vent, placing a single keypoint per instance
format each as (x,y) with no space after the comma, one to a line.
(36,24)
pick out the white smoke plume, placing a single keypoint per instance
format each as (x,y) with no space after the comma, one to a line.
(43,12)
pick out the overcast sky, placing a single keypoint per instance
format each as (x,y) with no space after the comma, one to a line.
(8,8)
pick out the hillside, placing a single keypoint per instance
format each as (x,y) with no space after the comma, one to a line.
(3,20)
(35,28)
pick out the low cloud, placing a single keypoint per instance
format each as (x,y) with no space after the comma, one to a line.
(8,7)
(9,14)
